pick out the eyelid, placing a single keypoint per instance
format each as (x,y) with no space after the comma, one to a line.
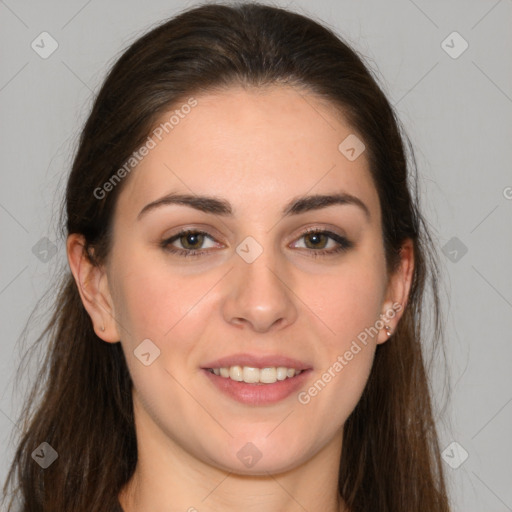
(318,229)
(205,229)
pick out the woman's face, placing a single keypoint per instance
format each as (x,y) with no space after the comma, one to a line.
(256,167)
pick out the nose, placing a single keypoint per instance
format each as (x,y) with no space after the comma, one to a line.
(259,294)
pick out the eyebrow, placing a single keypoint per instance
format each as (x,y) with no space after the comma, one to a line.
(296,206)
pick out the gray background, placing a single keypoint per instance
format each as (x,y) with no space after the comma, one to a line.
(457,112)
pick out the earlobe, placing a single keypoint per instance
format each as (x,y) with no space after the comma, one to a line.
(92,283)
(397,294)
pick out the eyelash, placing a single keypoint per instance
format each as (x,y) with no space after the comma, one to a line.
(343,243)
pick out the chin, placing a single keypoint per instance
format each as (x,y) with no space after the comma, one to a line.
(270,464)
(259,456)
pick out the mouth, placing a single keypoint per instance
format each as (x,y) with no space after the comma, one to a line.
(257,386)
(253,375)
(257,379)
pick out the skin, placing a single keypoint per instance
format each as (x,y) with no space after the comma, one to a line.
(257,149)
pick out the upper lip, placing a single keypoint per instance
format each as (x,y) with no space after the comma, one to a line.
(257,361)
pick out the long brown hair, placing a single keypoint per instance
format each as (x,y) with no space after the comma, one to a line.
(390,460)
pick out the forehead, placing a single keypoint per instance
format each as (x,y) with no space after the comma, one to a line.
(256,147)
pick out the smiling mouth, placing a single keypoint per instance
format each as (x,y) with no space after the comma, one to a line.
(251,375)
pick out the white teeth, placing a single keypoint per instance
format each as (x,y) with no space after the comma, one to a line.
(281,373)
(268,375)
(236,373)
(252,375)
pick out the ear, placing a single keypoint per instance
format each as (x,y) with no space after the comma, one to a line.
(397,292)
(93,287)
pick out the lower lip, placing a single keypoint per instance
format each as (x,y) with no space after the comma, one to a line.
(258,394)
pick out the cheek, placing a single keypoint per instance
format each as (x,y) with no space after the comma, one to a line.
(154,300)
(348,301)
(342,373)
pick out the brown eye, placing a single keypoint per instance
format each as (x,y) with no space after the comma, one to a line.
(317,242)
(191,242)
